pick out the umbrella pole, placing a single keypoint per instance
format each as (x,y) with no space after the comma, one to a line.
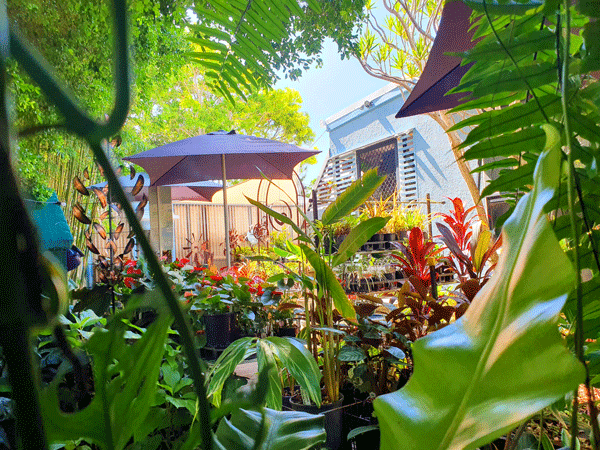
(226,213)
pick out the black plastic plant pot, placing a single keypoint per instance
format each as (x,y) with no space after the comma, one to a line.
(401,235)
(326,248)
(286,332)
(220,329)
(333,413)
(339,239)
(376,238)
(388,237)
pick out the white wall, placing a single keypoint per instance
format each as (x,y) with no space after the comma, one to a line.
(437,172)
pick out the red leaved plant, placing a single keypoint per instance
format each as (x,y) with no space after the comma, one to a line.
(470,249)
(415,259)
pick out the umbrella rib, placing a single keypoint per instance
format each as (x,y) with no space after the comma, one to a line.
(272,166)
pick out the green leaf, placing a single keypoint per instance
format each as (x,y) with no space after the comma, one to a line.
(509,180)
(497,7)
(361,430)
(349,353)
(499,164)
(524,45)
(507,144)
(396,352)
(271,430)
(299,362)
(589,8)
(266,362)
(471,383)
(170,375)
(125,379)
(483,243)
(225,366)
(329,282)
(357,237)
(353,197)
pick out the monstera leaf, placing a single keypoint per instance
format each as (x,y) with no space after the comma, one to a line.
(125,379)
(503,360)
(274,430)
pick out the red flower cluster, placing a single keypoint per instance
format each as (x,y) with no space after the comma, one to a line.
(131,282)
(181,262)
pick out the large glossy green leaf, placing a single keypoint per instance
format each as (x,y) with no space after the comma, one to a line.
(225,366)
(299,362)
(125,378)
(328,281)
(274,430)
(353,197)
(503,360)
(267,363)
(357,237)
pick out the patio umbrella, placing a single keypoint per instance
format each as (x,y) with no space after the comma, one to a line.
(220,155)
(442,72)
(202,191)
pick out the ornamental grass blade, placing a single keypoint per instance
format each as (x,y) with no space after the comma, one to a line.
(503,360)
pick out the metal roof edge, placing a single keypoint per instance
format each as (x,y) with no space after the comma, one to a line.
(358,107)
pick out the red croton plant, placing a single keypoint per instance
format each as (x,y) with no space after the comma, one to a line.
(473,250)
(417,256)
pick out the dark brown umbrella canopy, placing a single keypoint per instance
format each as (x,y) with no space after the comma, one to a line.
(202,191)
(442,72)
(199,158)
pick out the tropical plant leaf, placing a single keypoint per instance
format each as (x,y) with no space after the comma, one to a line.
(349,353)
(327,280)
(299,362)
(357,237)
(510,180)
(353,197)
(125,379)
(240,36)
(225,366)
(507,144)
(510,7)
(467,387)
(271,430)
(266,362)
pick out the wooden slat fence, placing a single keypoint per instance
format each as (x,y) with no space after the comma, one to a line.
(202,222)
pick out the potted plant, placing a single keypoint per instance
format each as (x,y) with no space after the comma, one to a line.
(326,303)
(403,219)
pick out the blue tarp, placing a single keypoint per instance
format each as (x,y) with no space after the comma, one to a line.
(53,230)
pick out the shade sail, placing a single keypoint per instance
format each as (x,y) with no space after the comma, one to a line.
(442,72)
(199,158)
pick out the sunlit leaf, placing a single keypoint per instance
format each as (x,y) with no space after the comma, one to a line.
(469,384)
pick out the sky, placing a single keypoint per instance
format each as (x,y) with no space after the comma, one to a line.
(328,90)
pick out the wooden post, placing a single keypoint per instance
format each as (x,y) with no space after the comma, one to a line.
(428,197)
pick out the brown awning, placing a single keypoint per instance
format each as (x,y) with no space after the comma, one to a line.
(442,72)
